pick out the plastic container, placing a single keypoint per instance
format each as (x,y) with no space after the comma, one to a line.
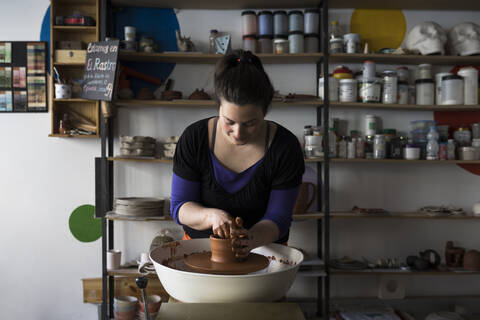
(265,44)
(379,147)
(470,76)
(390,87)
(312,20)
(265,23)
(452,90)
(249,23)
(296,42)
(332,88)
(411,153)
(311,42)
(295,21)
(336,45)
(352,43)
(250,43)
(280,22)
(281,45)
(424,89)
(432,144)
(438,86)
(348,90)
(369,70)
(370,91)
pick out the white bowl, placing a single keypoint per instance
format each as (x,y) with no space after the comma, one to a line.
(269,285)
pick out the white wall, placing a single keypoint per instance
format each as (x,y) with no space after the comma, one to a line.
(43,179)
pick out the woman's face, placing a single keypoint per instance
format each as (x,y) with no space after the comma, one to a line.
(240,124)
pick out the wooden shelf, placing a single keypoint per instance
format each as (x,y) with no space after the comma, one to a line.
(140,159)
(73,64)
(204,58)
(113,216)
(403,59)
(400,161)
(253,4)
(377,272)
(74,100)
(460,297)
(185,103)
(392,215)
(75,28)
(57,135)
(360,105)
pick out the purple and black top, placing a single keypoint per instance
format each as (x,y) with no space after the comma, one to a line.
(266,190)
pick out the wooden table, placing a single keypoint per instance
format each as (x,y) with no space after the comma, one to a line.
(230,311)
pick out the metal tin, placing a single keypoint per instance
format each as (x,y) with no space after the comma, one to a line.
(311,42)
(296,42)
(424,91)
(265,23)
(348,90)
(280,22)
(390,81)
(295,21)
(452,90)
(312,18)
(379,147)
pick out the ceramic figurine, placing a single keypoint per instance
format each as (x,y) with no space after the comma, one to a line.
(184,43)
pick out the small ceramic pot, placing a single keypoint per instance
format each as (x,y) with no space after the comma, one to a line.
(63,91)
(222,251)
(153,301)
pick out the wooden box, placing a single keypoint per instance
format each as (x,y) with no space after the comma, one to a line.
(70,56)
(70,45)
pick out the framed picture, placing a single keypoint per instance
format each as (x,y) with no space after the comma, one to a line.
(23,76)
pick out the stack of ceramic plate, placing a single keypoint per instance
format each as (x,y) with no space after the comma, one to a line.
(346,263)
(137,146)
(139,206)
(169,146)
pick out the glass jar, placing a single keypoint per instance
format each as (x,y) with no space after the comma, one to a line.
(369,147)
(371,125)
(389,135)
(402,74)
(451,149)
(476,131)
(360,148)
(280,23)
(281,45)
(402,93)
(390,83)
(379,147)
(352,149)
(462,137)
(342,147)
(396,147)
(425,71)
(336,45)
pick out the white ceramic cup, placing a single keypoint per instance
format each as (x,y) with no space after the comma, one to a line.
(63,91)
(113,259)
(130,33)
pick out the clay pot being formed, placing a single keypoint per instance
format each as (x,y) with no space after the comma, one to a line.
(222,251)
(471,260)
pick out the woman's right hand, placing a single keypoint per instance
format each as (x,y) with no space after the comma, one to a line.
(221,223)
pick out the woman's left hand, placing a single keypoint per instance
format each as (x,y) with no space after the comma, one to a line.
(242,239)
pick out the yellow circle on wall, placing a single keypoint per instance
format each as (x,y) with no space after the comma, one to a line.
(379,28)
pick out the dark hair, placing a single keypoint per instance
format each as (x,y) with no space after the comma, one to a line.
(241,79)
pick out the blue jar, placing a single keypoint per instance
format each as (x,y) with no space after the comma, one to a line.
(265,19)
(280,23)
(295,21)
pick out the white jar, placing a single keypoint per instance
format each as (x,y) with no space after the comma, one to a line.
(352,43)
(348,90)
(371,125)
(296,42)
(470,85)
(412,153)
(332,88)
(424,89)
(452,90)
(370,91)
(438,86)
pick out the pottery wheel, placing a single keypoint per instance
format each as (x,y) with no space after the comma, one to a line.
(200,262)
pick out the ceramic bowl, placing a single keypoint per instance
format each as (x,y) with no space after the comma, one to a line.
(168,153)
(154,302)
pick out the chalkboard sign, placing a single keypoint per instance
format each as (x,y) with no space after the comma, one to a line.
(100,70)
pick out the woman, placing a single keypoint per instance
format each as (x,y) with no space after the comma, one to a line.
(237,164)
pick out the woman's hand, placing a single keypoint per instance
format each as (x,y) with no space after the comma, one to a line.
(221,223)
(241,239)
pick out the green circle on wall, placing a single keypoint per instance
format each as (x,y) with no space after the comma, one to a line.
(83,224)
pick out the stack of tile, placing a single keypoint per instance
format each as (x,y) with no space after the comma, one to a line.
(135,206)
(138,146)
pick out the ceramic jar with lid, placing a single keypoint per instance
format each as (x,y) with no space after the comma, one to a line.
(312,18)
(295,39)
(295,21)
(250,43)
(265,23)
(311,42)
(280,23)
(452,90)
(265,44)
(249,23)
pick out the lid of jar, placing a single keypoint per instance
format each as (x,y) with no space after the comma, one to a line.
(389,131)
(348,81)
(369,137)
(336,40)
(312,35)
(312,10)
(379,135)
(452,77)
(249,37)
(295,32)
(265,12)
(280,40)
(214,31)
(389,73)
(307,127)
(418,81)
(351,36)
(451,140)
(468,149)
(248,12)
(281,37)
(425,65)
(265,36)
(341,69)
(467,70)
(334,22)
(295,12)
(368,61)
(280,12)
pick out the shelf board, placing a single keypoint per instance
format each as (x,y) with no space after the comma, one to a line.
(73,64)
(83,136)
(407,4)
(140,159)
(113,216)
(311,273)
(360,105)
(428,162)
(128,272)
(403,59)
(219,4)
(392,215)
(76,28)
(369,272)
(204,58)
(185,103)
(460,297)
(74,100)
